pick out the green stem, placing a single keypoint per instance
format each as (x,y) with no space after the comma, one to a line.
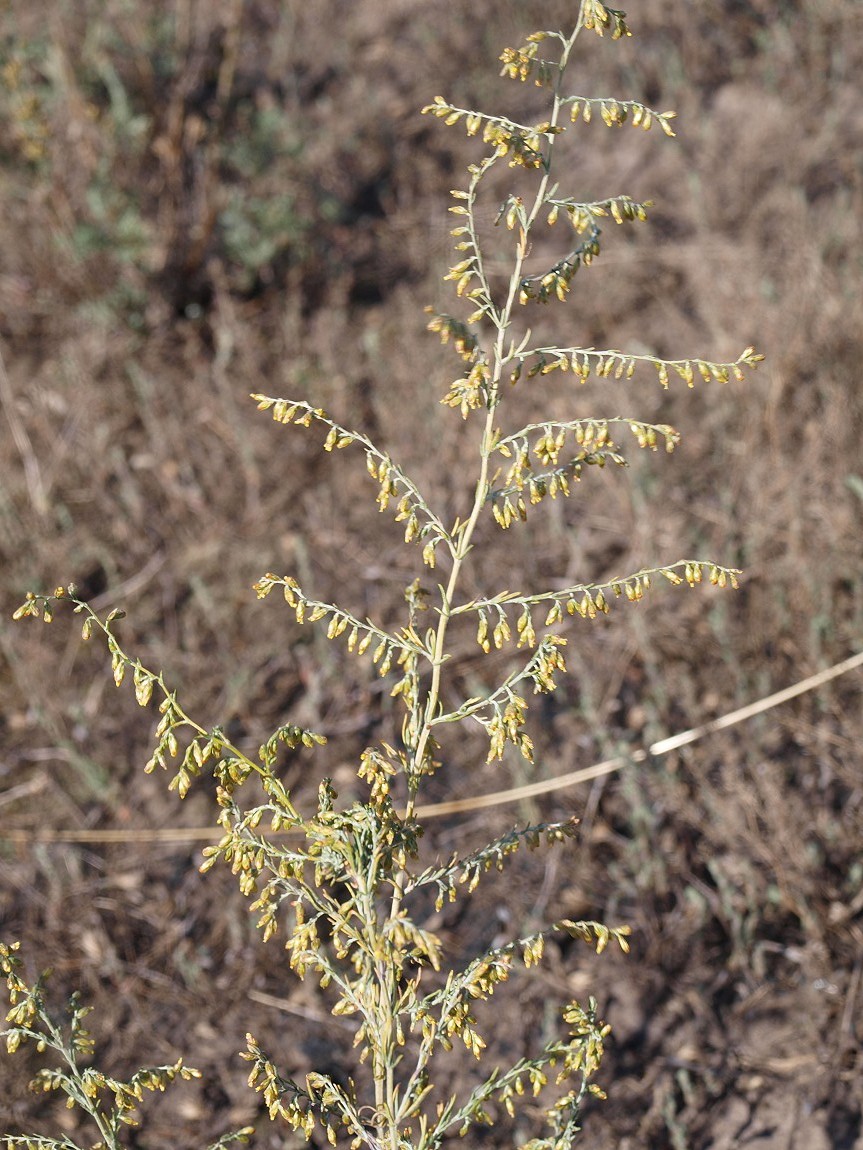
(460,540)
(461,545)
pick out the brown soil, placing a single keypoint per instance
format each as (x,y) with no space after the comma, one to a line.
(208,200)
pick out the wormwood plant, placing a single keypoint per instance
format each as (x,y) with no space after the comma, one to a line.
(345,883)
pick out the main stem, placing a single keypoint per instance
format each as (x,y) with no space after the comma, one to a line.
(459,550)
(463,538)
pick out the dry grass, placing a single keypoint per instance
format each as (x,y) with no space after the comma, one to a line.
(213,200)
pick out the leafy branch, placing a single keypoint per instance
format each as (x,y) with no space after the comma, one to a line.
(110,1103)
(207,747)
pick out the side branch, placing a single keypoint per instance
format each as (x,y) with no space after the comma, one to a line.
(615,113)
(584,361)
(467,872)
(361,633)
(412,509)
(523,144)
(584,599)
(588,432)
(229,765)
(503,713)
(583,217)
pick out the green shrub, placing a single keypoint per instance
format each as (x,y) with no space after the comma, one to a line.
(345,881)
(155,159)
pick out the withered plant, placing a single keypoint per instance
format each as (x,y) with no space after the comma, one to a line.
(345,882)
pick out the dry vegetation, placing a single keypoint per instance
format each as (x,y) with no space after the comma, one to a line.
(203,200)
